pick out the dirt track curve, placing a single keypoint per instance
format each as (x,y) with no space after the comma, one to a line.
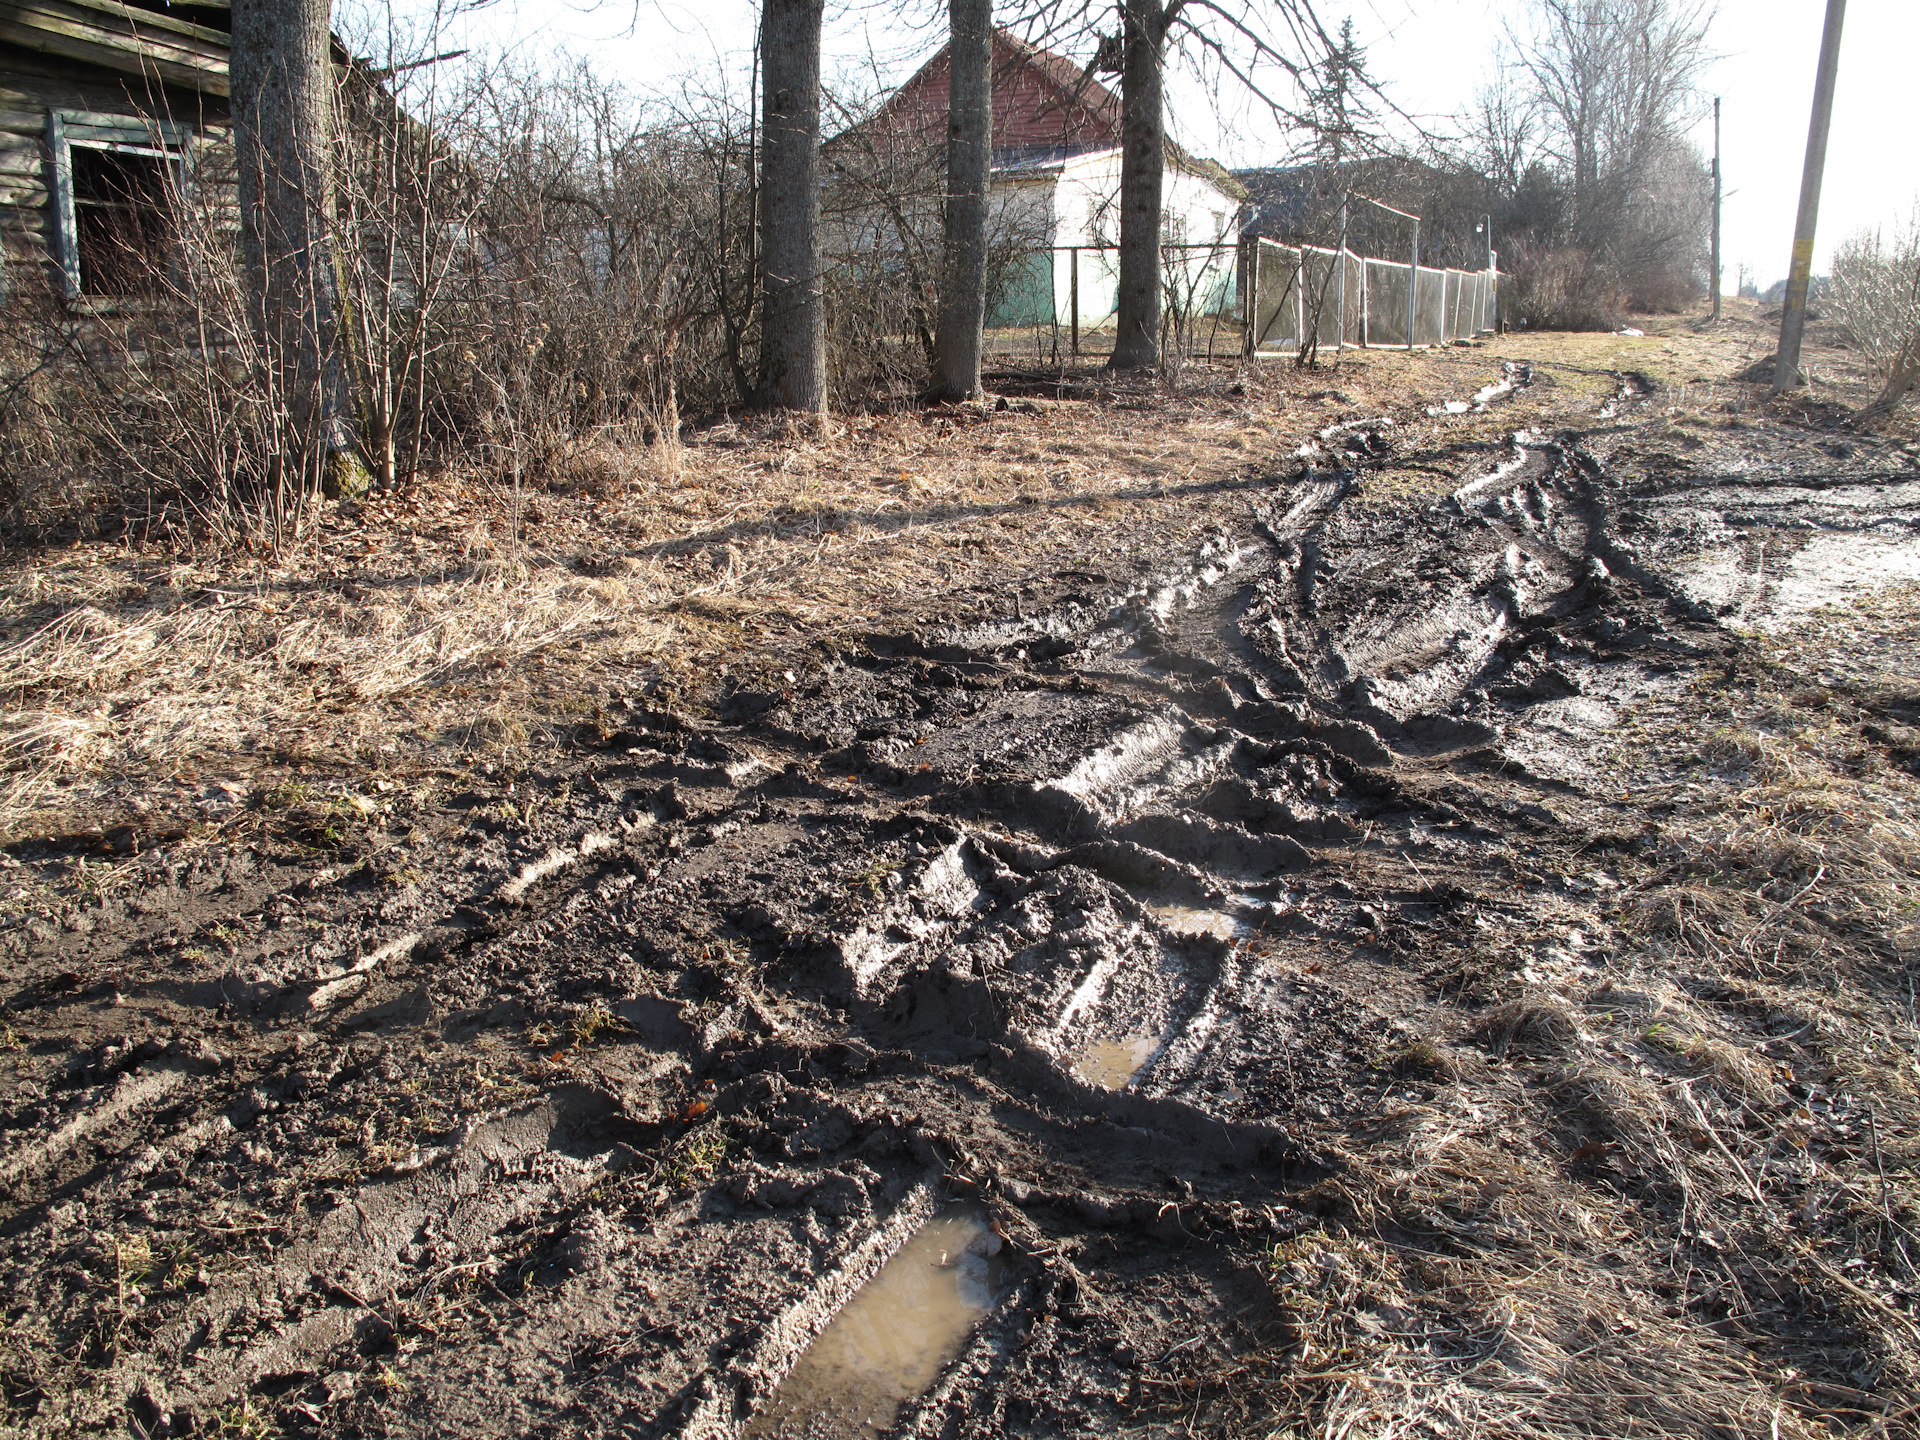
(1082,934)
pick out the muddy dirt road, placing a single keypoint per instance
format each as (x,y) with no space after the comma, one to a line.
(1240,997)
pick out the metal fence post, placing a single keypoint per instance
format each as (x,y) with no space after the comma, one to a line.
(1249,263)
(1340,343)
(1413,285)
(1073,295)
(1300,296)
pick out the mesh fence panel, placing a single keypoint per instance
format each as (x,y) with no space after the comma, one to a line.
(1356,291)
(1386,303)
(1276,294)
(1099,287)
(1285,292)
(1201,280)
(1321,295)
(1430,308)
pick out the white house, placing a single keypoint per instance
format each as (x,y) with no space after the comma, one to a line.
(1071,208)
(1056,187)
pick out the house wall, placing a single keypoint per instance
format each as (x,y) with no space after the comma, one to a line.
(1086,206)
(32,85)
(1021,218)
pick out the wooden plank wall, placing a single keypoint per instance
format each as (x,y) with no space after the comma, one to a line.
(32,84)
(109,34)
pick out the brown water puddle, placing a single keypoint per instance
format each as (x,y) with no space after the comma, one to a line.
(1110,1064)
(890,1341)
(1185,920)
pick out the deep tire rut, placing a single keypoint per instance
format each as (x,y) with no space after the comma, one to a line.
(1092,918)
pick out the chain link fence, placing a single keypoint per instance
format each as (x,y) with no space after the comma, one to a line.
(1254,296)
(1339,298)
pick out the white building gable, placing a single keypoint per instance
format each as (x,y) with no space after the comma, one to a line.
(1068,212)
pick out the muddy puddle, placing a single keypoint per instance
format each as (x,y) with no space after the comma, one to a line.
(1186,920)
(1112,1064)
(889,1344)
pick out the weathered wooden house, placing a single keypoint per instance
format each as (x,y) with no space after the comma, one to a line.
(106,109)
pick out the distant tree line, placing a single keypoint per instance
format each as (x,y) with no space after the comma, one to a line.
(1600,200)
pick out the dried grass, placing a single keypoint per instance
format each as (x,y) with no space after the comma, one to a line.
(1536,1024)
(423,619)
(207,683)
(1462,1286)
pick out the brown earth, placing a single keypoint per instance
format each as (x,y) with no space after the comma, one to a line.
(518,966)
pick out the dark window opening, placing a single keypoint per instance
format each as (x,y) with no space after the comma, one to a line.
(123,220)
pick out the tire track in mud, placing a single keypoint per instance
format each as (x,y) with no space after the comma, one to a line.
(1106,789)
(1055,916)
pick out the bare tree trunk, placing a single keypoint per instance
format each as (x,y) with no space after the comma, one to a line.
(1143,159)
(283,106)
(963,279)
(793,328)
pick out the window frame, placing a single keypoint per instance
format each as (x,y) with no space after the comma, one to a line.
(68,130)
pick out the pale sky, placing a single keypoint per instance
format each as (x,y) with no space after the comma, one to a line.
(1430,55)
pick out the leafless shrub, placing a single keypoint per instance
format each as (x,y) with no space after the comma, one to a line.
(161,407)
(603,287)
(1874,291)
(45,475)
(534,265)
(1560,288)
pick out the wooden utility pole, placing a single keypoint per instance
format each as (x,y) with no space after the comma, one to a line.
(1793,316)
(1716,209)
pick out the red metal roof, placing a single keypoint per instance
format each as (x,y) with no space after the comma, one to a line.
(1039,99)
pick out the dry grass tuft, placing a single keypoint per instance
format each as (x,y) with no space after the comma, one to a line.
(204,683)
(1626,1110)
(1540,1024)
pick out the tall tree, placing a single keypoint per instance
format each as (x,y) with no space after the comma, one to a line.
(1603,200)
(793,325)
(1334,96)
(281,73)
(1614,85)
(963,280)
(1143,162)
(1243,40)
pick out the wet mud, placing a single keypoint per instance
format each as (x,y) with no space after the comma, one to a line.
(636,1095)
